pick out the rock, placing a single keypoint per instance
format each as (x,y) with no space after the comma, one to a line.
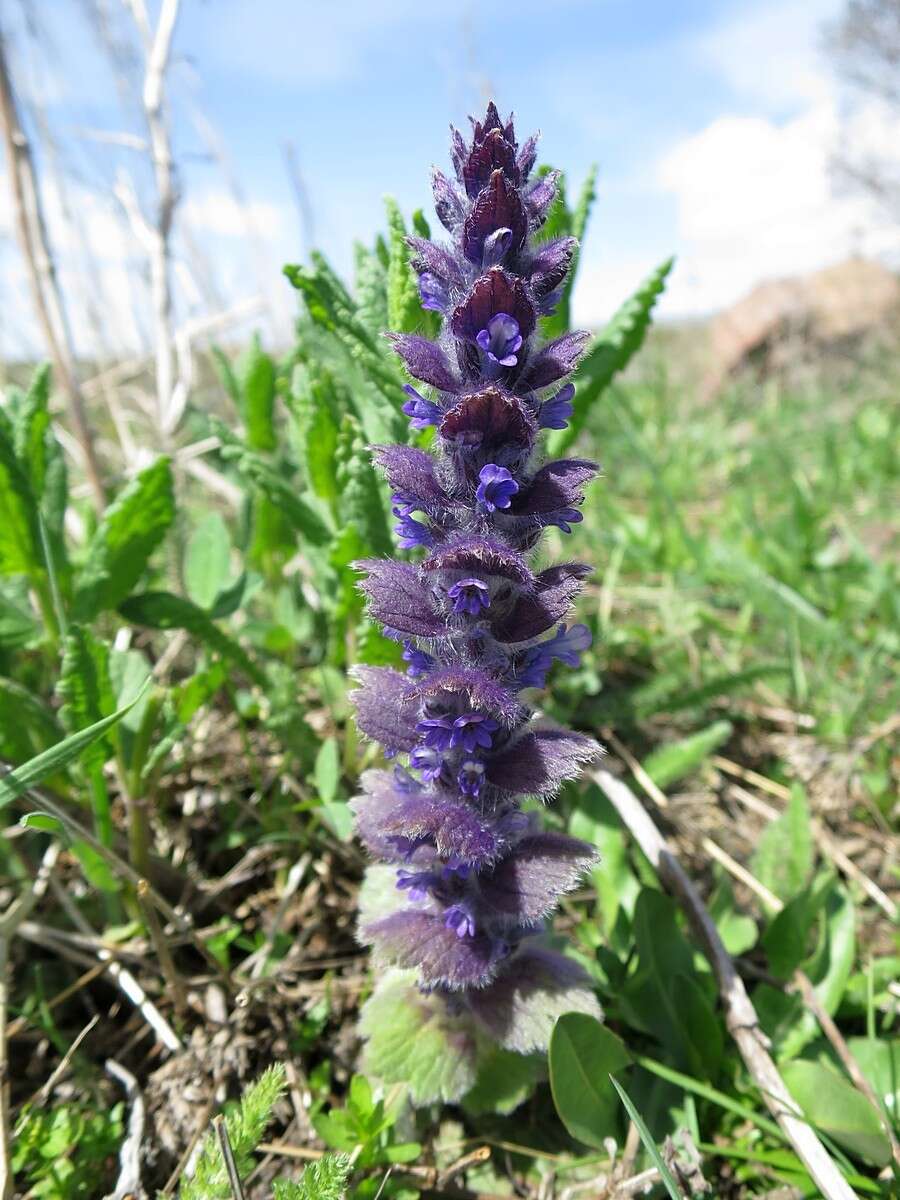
(828,309)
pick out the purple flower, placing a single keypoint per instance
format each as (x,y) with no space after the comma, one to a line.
(567,646)
(501,340)
(427,760)
(417,883)
(411,533)
(420,663)
(471,730)
(496,487)
(455,868)
(453,818)
(470,596)
(460,920)
(421,412)
(555,412)
(566,518)
(437,732)
(470,777)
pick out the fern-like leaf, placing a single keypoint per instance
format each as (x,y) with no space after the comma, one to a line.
(246,1123)
(324,1180)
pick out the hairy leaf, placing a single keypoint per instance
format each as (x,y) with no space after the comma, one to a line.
(131,529)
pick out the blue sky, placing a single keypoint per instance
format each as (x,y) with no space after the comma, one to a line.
(711,124)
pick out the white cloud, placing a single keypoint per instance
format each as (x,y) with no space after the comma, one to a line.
(769,54)
(753,191)
(216,211)
(755,200)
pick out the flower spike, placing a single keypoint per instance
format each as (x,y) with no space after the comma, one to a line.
(474,878)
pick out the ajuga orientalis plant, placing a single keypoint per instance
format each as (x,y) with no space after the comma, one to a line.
(457,910)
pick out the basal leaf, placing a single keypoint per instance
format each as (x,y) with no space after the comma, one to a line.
(207,560)
(20,540)
(412,1038)
(31,422)
(784,857)
(130,530)
(505,1080)
(583,1055)
(672,762)
(833,1105)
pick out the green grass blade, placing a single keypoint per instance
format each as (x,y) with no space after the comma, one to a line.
(665,1174)
(59,756)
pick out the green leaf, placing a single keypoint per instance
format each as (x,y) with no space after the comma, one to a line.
(163,610)
(280,490)
(227,376)
(360,494)
(31,424)
(57,758)
(17,624)
(328,770)
(370,289)
(576,223)
(322,1180)
(20,539)
(835,1107)
(737,931)
(245,1122)
(314,403)
(666,1175)
(596,821)
(44,822)
(131,529)
(828,967)
(672,762)
(412,1038)
(583,1056)
(86,689)
(256,373)
(95,867)
(682,1018)
(405,311)
(879,1061)
(505,1080)
(784,857)
(610,353)
(207,560)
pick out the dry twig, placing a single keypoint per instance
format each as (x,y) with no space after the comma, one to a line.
(740,1015)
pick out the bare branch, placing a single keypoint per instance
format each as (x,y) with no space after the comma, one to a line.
(34,243)
(740,1015)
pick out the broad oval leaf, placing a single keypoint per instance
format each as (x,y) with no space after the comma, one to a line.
(583,1055)
(834,1106)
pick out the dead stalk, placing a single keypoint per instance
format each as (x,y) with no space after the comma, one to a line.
(740,1015)
(46,296)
